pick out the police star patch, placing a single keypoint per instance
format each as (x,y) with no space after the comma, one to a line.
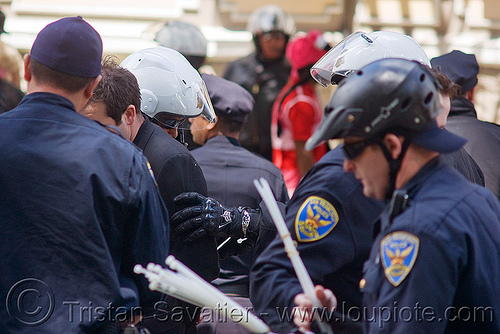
(398,252)
(315,219)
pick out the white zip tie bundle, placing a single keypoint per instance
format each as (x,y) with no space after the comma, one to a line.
(182,283)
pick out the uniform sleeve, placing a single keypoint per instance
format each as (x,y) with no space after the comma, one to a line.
(274,284)
(409,289)
(302,117)
(178,175)
(147,233)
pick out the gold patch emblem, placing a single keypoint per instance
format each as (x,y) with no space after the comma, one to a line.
(398,252)
(315,219)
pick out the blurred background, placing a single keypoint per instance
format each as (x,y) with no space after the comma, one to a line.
(472,26)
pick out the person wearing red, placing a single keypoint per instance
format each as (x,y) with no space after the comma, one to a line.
(297,111)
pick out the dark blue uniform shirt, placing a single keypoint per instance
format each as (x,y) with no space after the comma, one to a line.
(78,209)
(436,268)
(333,224)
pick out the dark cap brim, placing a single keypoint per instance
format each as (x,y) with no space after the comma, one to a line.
(330,128)
(439,140)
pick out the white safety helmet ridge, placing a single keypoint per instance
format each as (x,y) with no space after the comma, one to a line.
(360,49)
(270,18)
(169,84)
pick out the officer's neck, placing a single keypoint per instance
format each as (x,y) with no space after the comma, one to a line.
(79,99)
(136,125)
(414,160)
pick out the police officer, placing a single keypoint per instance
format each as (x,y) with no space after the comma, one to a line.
(483,138)
(78,206)
(440,234)
(360,49)
(263,73)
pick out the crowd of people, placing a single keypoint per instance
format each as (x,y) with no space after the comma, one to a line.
(108,164)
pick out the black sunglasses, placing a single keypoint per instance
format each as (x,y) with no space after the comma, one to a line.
(352,151)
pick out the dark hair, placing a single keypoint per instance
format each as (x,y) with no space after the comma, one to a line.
(117,90)
(49,76)
(228,126)
(448,87)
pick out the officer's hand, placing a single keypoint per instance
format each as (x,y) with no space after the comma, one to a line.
(303,312)
(201,216)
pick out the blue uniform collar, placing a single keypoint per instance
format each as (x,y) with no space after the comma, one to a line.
(402,197)
(223,139)
(415,183)
(233,141)
(463,107)
(48,98)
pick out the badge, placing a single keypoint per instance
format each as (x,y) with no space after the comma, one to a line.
(315,219)
(398,252)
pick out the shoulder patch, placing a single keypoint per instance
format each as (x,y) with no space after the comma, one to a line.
(315,219)
(398,252)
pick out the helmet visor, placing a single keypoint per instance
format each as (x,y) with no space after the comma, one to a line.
(205,104)
(333,64)
(360,49)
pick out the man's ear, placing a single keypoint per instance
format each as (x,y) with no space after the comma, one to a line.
(394,144)
(128,117)
(27,67)
(91,86)
(210,126)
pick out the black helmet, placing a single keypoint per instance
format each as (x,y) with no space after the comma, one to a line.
(387,95)
(391,95)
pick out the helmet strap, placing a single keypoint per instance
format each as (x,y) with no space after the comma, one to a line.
(181,137)
(394,164)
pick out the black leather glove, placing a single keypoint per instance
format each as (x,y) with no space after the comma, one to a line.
(204,215)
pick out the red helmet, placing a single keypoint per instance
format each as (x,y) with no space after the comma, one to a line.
(305,50)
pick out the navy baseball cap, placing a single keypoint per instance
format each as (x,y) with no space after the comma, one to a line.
(229,99)
(461,68)
(69,45)
(439,139)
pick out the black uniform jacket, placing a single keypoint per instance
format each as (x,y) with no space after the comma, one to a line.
(176,172)
(483,140)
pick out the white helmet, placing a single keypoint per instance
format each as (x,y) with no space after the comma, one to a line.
(183,37)
(360,49)
(169,84)
(270,18)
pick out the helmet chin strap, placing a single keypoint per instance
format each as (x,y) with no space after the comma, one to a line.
(394,165)
(181,137)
